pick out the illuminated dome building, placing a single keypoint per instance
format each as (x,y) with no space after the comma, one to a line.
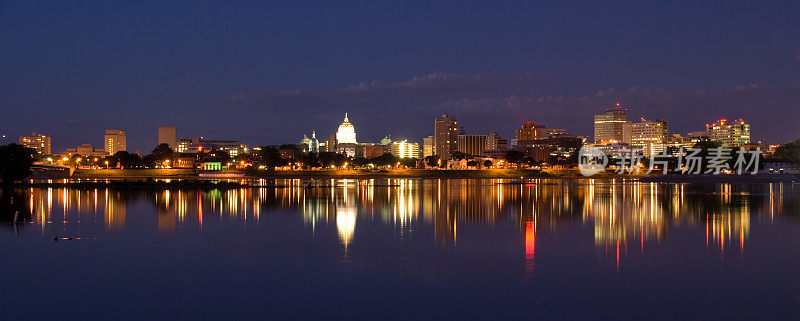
(386,140)
(310,145)
(346,133)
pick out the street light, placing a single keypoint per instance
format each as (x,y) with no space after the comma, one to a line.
(106,164)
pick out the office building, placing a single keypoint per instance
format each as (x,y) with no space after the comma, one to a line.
(38,142)
(729,134)
(495,142)
(330,144)
(530,131)
(372,151)
(427,146)
(115,141)
(471,144)
(404,149)
(85,150)
(650,136)
(609,126)
(168,135)
(445,133)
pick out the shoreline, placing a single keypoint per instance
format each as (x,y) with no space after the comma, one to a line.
(191,177)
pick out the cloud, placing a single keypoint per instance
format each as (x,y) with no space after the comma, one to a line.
(491,103)
(440,82)
(768,110)
(434,84)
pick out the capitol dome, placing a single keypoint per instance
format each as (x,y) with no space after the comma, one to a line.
(346,133)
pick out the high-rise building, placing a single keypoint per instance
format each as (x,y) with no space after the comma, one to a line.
(330,144)
(346,133)
(609,127)
(427,146)
(39,142)
(530,131)
(445,136)
(471,144)
(495,142)
(729,134)
(649,135)
(115,141)
(404,149)
(168,135)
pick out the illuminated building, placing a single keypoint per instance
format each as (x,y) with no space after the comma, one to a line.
(346,133)
(310,145)
(330,144)
(609,127)
(445,133)
(199,145)
(427,146)
(530,131)
(471,144)
(115,141)
(168,135)
(553,132)
(495,142)
(404,149)
(39,142)
(650,136)
(729,134)
(386,140)
(85,150)
(372,151)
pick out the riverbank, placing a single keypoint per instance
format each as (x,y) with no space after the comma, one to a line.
(190,174)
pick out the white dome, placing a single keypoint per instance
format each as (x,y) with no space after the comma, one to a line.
(346,133)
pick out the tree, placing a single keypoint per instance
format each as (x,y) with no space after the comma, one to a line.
(432,161)
(514,156)
(408,162)
(128,160)
(15,162)
(472,163)
(161,153)
(487,163)
(385,159)
(458,155)
(789,152)
(270,157)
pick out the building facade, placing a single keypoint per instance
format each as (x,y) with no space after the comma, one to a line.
(651,136)
(404,149)
(530,131)
(38,142)
(427,146)
(729,134)
(168,135)
(445,136)
(609,126)
(495,142)
(85,150)
(115,141)
(471,144)
(346,133)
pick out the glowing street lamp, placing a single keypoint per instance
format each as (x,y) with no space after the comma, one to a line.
(106,164)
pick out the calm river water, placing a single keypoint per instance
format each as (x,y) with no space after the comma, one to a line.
(405,249)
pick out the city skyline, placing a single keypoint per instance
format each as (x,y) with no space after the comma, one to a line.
(81,67)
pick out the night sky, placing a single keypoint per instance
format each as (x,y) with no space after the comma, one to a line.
(267,73)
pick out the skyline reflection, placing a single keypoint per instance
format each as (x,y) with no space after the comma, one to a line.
(621,214)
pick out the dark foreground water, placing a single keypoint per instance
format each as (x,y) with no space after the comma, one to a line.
(405,249)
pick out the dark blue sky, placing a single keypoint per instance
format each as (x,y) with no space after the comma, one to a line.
(266,73)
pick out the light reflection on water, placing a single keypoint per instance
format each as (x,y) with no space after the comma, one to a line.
(365,249)
(623,215)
